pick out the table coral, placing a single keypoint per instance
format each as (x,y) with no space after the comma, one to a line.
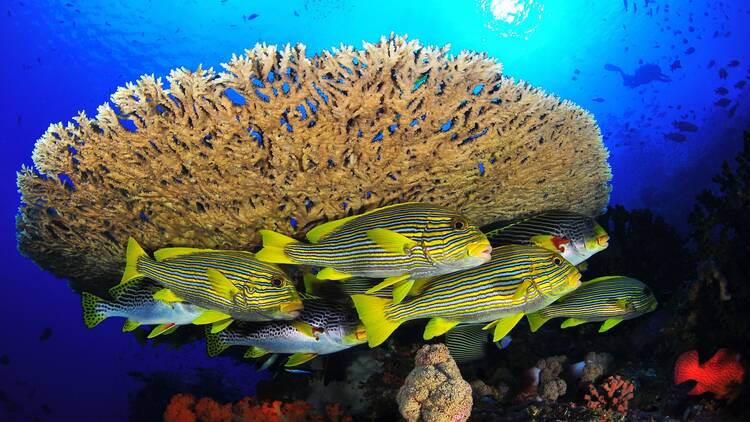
(283,141)
(434,390)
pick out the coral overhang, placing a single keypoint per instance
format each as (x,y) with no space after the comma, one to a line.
(283,141)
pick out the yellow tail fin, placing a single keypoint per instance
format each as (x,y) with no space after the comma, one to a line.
(371,311)
(273,247)
(134,253)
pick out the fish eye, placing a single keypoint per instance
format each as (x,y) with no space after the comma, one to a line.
(277,281)
(557,261)
(459,224)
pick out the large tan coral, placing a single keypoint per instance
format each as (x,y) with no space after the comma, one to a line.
(316,138)
(434,391)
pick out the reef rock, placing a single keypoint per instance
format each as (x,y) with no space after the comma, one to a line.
(283,141)
(434,390)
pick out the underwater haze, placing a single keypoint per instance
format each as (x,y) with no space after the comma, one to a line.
(668,83)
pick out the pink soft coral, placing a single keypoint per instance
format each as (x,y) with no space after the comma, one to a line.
(615,394)
(187,408)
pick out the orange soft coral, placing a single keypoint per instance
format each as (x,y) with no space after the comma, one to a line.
(187,408)
(614,396)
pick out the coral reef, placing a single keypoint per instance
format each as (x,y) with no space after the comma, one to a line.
(595,365)
(480,389)
(434,390)
(282,141)
(551,386)
(188,408)
(612,395)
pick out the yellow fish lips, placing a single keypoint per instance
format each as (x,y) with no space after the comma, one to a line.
(574,280)
(481,249)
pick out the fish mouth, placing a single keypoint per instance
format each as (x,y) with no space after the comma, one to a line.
(574,280)
(360,334)
(602,240)
(481,250)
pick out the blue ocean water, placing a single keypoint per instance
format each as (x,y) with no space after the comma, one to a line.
(664,80)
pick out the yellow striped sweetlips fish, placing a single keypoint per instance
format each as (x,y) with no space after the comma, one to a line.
(135,302)
(399,243)
(518,279)
(609,299)
(228,284)
(324,327)
(574,236)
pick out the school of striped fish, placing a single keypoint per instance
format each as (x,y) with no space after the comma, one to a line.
(365,275)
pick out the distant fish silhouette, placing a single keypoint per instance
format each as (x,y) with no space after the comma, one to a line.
(732,110)
(734,63)
(722,375)
(721,90)
(740,84)
(690,50)
(598,99)
(684,126)
(675,65)
(643,75)
(723,73)
(723,102)
(675,136)
(252,16)
(711,64)
(46,334)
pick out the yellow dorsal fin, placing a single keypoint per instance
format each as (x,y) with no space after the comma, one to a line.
(437,327)
(503,326)
(255,352)
(387,282)
(598,279)
(167,296)
(329,273)
(166,253)
(209,316)
(391,241)
(220,284)
(320,231)
(133,254)
(299,358)
(273,247)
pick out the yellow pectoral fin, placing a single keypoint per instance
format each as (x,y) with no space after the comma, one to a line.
(536,320)
(254,352)
(220,284)
(437,327)
(609,324)
(299,358)
(391,241)
(545,241)
(220,326)
(401,289)
(305,329)
(387,282)
(322,230)
(572,322)
(210,316)
(503,326)
(329,273)
(419,286)
(166,253)
(162,329)
(130,325)
(167,296)
(521,290)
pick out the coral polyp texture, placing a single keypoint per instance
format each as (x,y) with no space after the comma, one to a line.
(282,141)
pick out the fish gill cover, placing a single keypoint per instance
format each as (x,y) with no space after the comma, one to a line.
(281,140)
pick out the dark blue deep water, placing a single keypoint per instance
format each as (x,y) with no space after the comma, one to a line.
(664,79)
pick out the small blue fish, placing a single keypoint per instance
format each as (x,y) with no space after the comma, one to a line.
(298,371)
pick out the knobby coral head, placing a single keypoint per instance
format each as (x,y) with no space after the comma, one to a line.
(283,141)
